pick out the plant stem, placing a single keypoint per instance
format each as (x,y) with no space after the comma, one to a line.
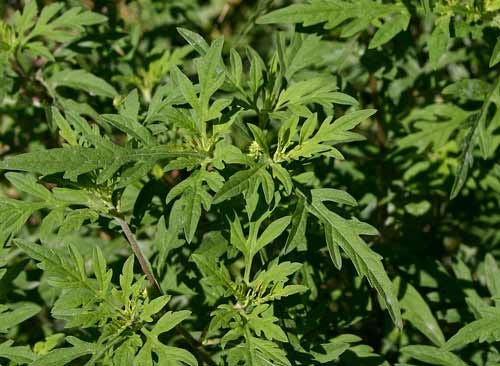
(146,268)
(248,268)
(143,261)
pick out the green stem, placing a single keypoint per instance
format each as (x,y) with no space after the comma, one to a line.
(116,338)
(248,268)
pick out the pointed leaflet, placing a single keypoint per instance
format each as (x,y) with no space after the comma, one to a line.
(102,276)
(210,73)
(283,176)
(59,270)
(333,247)
(349,121)
(479,330)
(63,28)
(128,119)
(492,274)
(20,355)
(19,313)
(315,90)
(334,195)
(298,229)
(272,232)
(417,312)
(130,126)
(390,29)
(77,160)
(438,41)
(13,215)
(192,209)
(27,19)
(63,356)
(83,80)
(194,195)
(65,130)
(194,39)
(153,307)
(346,234)
(433,355)
(28,184)
(352,16)
(187,89)
(495,55)
(478,134)
(165,354)
(237,184)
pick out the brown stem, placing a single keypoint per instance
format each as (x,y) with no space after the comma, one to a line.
(146,268)
(143,261)
(197,346)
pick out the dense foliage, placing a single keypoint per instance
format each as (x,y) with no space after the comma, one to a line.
(249,182)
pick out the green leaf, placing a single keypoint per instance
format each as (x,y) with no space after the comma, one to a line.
(194,195)
(165,354)
(272,232)
(316,90)
(195,40)
(334,195)
(346,234)
(153,307)
(28,184)
(131,126)
(210,73)
(168,321)
(257,68)
(78,160)
(479,330)
(83,80)
(236,74)
(38,49)
(418,208)
(27,19)
(495,55)
(417,312)
(275,274)
(468,89)
(186,88)
(350,120)
(13,215)
(432,355)
(297,236)
(63,356)
(283,176)
(59,267)
(479,133)
(127,276)
(237,184)
(65,27)
(436,124)
(352,17)
(390,29)
(438,41)
(20,312)
(102,276)
(466,162)
(65,129)
(20,355)
(492,274)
